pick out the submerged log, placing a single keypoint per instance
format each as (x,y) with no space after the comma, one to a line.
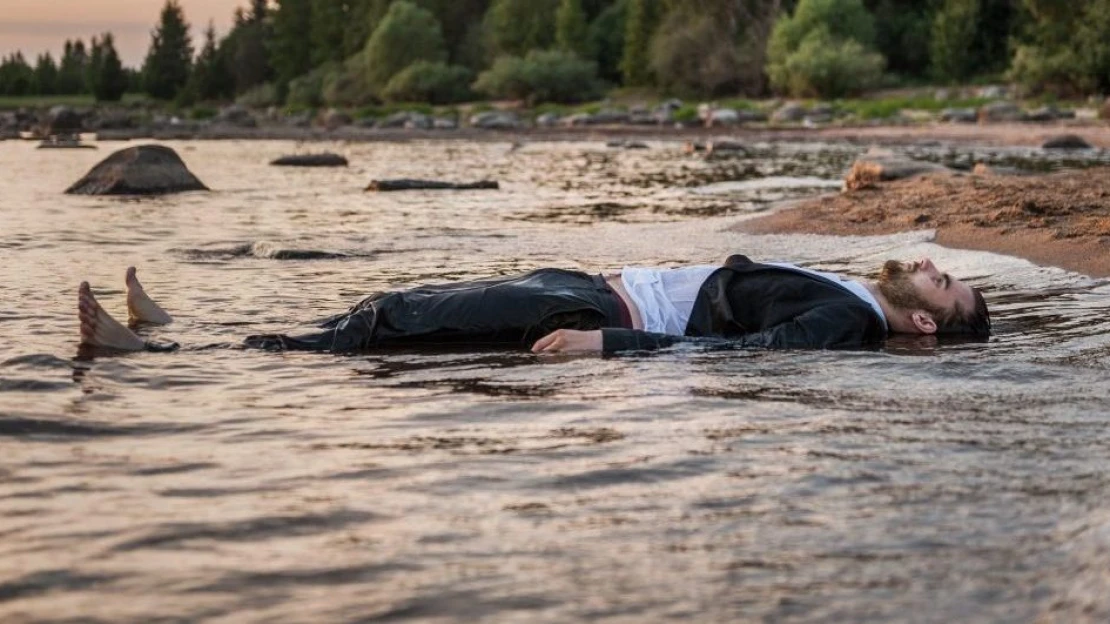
(142,170)
(405,184)
(311,160)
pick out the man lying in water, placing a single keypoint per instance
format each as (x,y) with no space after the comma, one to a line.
(741,304)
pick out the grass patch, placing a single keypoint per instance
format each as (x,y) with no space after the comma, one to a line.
(10,102)
(889,107)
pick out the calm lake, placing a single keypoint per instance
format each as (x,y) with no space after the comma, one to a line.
(921,482)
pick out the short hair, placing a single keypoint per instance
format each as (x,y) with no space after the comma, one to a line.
(958,321)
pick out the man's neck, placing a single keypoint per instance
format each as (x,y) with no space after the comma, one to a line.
(895,319)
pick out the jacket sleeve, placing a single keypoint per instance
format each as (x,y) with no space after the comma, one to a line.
(825,327)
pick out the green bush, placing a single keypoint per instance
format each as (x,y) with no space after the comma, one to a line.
(696,55)
(436,83)
(307,91)
(542,76)
(828,67)
(825,49)
(406,34)
(953,37)
(262,96)
(201,113)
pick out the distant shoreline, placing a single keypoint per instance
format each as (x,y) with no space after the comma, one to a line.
(998,134)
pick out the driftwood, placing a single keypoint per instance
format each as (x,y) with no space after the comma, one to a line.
(311,160)
(142,170)
(875,167)
(405,184)
(1066,141)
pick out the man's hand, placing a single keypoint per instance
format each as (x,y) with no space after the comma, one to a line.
(568,341)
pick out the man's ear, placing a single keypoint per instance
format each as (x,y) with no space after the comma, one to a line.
(924,322)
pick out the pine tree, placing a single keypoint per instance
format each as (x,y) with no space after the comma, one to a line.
(327,29)
(71,73)
(571,30)
(259,10)
(515,27)
(953,37)
(210,79)
(109,80)
(291,42)
(169,61)
(643,18)
(46,75)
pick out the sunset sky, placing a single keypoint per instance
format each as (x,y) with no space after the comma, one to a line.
(37,26)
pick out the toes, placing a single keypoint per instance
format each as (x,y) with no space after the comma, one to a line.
(132,280)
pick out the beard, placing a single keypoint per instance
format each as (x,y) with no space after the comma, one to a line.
(895,284)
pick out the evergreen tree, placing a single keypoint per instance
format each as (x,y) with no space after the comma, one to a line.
(516,26)
(643,18)
(406,35)
(607,41)
(71,73)
(108,79)
(169,60)
(259,10)
(92,68)
(210,79)
(904,34)
(16,76)
(953,37)
(46,75)
(244,55)
(290,44)
(571,30)
(327,29)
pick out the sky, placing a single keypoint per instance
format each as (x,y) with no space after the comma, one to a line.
(37,26)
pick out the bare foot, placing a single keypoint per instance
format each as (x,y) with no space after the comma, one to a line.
(99,329)
(140,307)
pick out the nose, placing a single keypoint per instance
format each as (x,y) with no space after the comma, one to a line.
(926,264)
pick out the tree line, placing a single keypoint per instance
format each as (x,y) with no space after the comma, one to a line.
(309,53)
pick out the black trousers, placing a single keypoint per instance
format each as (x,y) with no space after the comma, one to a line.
(511,311)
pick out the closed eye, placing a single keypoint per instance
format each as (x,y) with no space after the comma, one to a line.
(947,281)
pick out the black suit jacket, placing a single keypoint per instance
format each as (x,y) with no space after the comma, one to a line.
(745,304)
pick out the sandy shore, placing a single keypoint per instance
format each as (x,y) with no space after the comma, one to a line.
(1060,219)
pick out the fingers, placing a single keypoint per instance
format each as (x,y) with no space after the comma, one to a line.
(551,343)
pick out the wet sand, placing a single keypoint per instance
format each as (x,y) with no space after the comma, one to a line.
(1061,219)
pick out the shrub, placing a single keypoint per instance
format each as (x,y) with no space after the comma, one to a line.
(435,83)
(542,76)
(406,34)
(695,55)
(824,49)
(307,91)
(262,96)
(827,67)
(953,36)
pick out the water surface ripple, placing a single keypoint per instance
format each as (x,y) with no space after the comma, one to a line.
(920,482)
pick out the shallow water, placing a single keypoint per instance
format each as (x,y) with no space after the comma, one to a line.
(917,483)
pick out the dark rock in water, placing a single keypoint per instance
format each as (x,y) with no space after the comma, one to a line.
(63,120)
(430,185)
(64,142)
(311,160)
(626,145)
(142,170)
(1066,141)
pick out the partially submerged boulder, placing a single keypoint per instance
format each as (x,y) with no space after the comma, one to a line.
(406,184)
(1066,141)
(311,160)
(141,170)
(63,120)
(872,168)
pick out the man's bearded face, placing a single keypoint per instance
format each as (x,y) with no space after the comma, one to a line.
(896,285)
